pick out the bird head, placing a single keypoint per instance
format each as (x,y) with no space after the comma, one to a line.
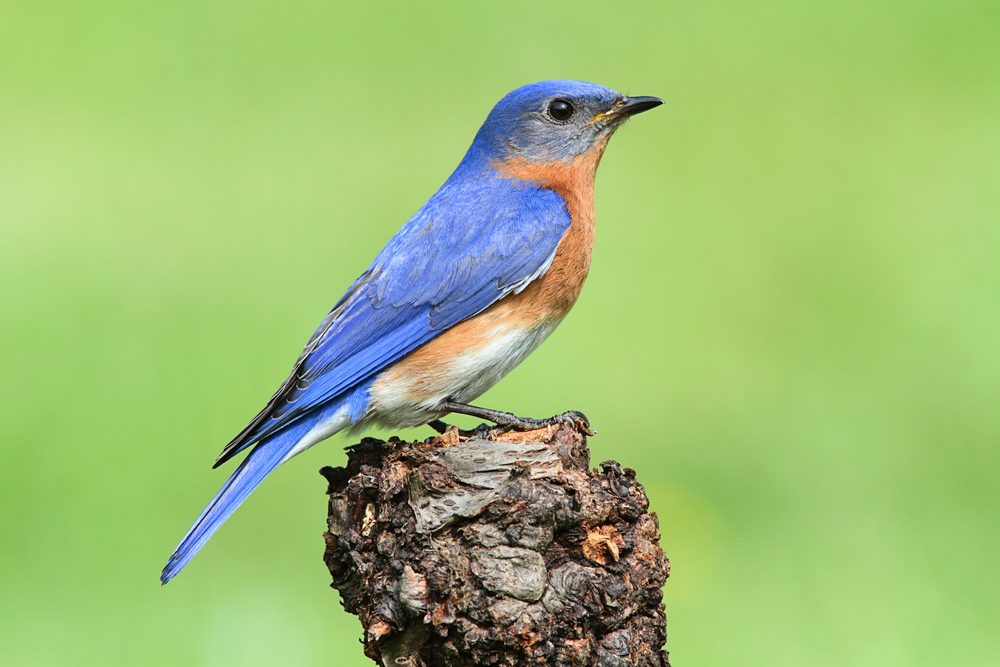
(555,122)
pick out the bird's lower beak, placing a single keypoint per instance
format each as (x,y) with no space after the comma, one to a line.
(629,106)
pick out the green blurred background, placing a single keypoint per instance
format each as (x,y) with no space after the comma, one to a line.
(791,329)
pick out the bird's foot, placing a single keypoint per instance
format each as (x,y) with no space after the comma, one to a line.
(442,427)
(507,421)
(572,418)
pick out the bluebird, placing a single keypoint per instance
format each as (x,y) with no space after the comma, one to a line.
(467,289)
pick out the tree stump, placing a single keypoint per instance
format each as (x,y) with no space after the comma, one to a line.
(496,549)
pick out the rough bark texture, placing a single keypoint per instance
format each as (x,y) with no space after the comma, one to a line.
(498,549)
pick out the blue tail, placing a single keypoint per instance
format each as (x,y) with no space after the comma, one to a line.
(258,464)
(247,477)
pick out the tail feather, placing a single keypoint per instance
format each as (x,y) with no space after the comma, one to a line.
(247,477)
(259,463)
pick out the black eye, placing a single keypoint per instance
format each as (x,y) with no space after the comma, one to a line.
(560,110)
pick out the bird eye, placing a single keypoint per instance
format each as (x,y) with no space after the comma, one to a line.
(560,110)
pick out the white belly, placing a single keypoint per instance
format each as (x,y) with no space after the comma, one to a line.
(411,399)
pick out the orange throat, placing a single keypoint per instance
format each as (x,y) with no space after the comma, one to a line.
(553,294)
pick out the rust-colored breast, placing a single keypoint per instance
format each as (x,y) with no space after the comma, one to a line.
(553,294)
(543,302)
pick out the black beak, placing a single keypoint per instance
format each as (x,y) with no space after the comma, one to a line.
(630,106)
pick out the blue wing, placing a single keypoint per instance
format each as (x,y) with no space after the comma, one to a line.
(468,247)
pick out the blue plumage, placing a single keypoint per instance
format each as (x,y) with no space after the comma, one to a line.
(481,237)
(419,286)
(267,456)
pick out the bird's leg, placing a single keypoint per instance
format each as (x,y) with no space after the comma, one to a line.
(438,425)
(510,421)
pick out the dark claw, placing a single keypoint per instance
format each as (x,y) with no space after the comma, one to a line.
(438,425)
(483,431)
(576,419)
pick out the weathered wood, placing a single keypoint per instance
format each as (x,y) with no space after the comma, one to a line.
(496,549)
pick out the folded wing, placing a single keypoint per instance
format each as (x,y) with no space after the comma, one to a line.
(461,253)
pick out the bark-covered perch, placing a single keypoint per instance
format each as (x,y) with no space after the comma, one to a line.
(498,550)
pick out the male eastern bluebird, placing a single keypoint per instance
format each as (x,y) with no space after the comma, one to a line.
(470,286)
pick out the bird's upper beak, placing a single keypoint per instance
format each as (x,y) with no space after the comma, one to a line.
(628,106)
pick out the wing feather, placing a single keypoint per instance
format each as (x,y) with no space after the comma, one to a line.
(461,253)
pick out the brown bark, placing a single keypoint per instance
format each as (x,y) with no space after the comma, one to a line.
(498,550)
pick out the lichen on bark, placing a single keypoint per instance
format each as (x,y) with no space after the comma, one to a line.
(496,549)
